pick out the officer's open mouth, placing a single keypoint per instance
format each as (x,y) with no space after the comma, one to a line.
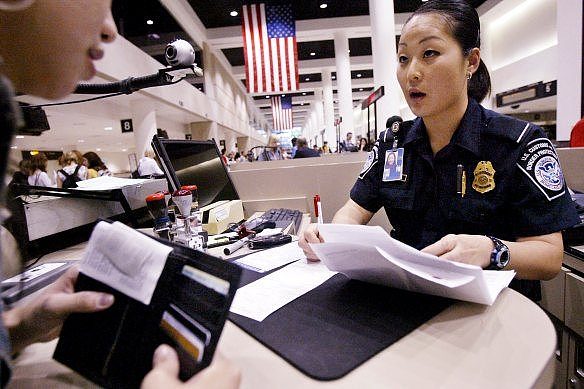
(417,95)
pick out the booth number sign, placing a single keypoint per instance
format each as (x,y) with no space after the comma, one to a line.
(127,125)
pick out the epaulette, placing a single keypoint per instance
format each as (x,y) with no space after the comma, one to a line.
(509,128)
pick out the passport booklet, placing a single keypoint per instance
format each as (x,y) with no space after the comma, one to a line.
(164,293)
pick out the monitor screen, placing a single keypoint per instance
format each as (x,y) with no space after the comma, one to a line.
(193,162)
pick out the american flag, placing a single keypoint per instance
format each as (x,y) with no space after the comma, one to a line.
(269,47)
(282,112)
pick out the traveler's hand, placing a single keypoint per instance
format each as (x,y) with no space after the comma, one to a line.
(221,374)
(310,235)
(471,249)
(41,319)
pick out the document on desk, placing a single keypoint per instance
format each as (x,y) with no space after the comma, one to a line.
(124,259)
(260,298)
(108,183)
(380,259)
(266,260)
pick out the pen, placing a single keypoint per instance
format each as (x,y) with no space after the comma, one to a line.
(460,180)
(318,209)
(237,245)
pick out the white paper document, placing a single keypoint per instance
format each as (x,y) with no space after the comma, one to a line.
(108,183)
(257,300)
(266,260)
(124,259)
(380,259)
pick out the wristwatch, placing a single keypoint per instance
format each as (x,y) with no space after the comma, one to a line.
(500,256)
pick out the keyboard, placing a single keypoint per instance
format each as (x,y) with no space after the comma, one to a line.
(283,217)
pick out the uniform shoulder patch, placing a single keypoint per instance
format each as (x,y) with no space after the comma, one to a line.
(540,163)
(372,158)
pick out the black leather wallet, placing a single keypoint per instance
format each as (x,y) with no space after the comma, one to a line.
(188,309)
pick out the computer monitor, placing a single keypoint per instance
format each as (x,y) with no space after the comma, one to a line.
(195,162)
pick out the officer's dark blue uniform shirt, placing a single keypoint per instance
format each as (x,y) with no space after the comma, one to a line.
(514,184)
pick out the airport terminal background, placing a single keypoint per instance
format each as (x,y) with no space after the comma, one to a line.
(346,52)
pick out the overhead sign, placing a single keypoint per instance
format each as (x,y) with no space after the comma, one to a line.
(529,92)
(373,97)
(127,125)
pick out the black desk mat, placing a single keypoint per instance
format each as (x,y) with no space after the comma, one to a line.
(337,326)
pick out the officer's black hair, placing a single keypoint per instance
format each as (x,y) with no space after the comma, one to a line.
(465,25)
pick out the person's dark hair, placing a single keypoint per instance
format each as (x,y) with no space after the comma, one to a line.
(294,140)
(301,142)
(93,161)
(39,161)
(465,25)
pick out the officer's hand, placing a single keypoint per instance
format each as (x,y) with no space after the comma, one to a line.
(221,374)
(471,249)
(310,235)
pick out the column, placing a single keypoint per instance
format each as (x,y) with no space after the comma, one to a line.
(144,122)
(344,93)
(318,108)
(569,96)
(328,108)
(204,131)
(384,59)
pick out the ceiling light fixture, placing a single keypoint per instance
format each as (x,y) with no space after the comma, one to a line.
(334,77)
(124,149)
(283,95)
(267,97)
(98,149)
(360,89)
(149,22)
(307,79)
(312,54)
(303,93)
(13,147)
(233,13)
(358,75)
(19,137)
(81,141)
(108,128)
(323,5)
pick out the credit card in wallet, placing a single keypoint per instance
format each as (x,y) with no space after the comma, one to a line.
(188,339)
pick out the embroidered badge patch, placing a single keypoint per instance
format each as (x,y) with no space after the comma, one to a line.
(540,163)
(484,177)
(371,160)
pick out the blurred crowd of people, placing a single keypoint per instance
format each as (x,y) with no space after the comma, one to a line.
(274,151)
(33,171)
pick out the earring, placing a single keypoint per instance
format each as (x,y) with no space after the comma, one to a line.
(469,76)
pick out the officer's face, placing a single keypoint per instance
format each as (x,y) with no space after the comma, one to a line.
(51,45)
(431,67)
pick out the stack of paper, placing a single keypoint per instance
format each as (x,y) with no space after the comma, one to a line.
(380,259)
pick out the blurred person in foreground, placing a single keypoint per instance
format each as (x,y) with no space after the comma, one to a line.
(32,34)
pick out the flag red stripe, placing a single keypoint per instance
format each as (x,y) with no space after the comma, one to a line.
(261,47)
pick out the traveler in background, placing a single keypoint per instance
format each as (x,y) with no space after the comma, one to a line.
(95,166)
(38,167)
(147,165)
(304,151)
(71,166)
(364,145)
(294,147)
(325,148)
(347,144)
(32,34)
(272,151)
(513,203)
(21,175)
